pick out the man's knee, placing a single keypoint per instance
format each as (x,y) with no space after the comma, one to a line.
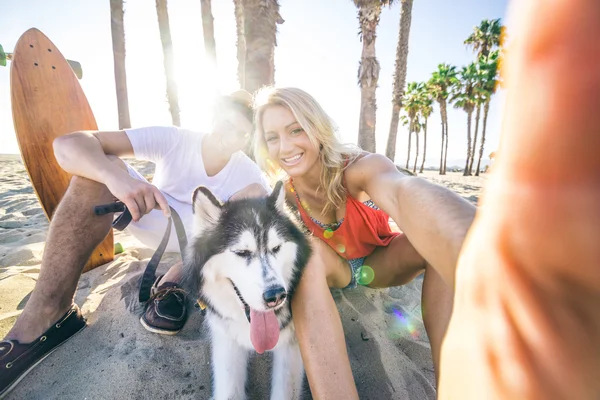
(250,191)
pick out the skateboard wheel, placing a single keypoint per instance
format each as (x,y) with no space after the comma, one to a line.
(119,248)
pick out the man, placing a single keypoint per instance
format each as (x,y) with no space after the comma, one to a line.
(184,160)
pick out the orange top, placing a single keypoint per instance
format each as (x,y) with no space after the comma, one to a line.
(362,229)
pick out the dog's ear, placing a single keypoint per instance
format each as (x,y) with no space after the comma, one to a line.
(277,196)
(207,209)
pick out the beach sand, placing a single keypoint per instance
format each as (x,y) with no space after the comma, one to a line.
(116,358)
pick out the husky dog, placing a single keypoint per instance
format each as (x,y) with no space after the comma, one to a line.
(244,263)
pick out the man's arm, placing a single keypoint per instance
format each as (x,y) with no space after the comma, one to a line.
(85,154)
(435,219)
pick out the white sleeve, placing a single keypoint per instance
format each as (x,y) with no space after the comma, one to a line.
(152,143)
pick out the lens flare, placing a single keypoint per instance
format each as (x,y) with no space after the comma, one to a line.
(341,248)
(366,275)
(271,166)
(404,324)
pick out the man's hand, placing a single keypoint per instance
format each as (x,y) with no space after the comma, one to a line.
(139,197)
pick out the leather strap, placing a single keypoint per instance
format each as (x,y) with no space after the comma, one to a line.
(121,222)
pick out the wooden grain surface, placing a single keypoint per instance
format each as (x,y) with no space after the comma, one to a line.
(47,102)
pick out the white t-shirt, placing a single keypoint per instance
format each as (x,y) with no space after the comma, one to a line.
(180,168)
(179,171)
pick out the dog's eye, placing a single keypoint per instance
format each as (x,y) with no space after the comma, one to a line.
(276,249)
(243,253)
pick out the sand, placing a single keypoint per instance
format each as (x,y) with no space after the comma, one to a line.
(116,358)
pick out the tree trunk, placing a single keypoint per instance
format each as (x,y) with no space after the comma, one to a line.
(477,117)
(368,75)
(208,30)
(260,18)
(445,116)
(390,150)
(424,146)
(118,42)
(442,109)
(409,140)
(399,75)
(416,152)
(442,149)
(168,60)
(241,41)
(469,116)
(486,109)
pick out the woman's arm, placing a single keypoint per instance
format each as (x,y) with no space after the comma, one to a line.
(435,219)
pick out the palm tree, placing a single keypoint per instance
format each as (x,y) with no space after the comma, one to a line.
(256,24)
(417,126)
(441,83)
(399,75)
(480,99)
(168,60)
(491,84)
(118,41)
(411,107)
(425,111)
(485,37)
(465,98)
(368,69)
(208,30)
(414,126)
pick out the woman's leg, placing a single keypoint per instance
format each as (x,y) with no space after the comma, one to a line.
(398,264)
(319,327)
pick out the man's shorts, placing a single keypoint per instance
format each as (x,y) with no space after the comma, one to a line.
(150,229)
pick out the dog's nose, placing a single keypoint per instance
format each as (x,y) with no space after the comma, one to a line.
(274,296)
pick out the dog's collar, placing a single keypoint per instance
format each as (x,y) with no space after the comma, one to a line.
(239,295)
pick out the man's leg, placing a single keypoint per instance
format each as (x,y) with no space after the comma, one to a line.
(75,227)
(526,320)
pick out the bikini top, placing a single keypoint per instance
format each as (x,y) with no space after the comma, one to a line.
(363,228)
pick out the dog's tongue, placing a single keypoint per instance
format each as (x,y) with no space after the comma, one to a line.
(264,330)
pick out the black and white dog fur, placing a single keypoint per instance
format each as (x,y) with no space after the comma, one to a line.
(244,263)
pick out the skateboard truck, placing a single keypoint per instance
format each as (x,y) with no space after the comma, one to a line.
(75,65)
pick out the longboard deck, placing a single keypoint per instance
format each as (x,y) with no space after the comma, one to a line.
(47,102)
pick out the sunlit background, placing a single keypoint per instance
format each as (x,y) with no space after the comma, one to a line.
(318,50)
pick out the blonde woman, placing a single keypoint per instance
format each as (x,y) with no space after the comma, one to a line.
(345,197)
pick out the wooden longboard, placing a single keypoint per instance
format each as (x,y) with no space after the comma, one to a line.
(47,102)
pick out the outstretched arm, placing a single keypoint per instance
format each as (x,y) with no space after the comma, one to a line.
(435,219)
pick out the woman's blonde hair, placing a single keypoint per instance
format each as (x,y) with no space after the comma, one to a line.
(322,133)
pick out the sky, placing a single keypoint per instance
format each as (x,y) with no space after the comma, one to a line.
(318,50)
